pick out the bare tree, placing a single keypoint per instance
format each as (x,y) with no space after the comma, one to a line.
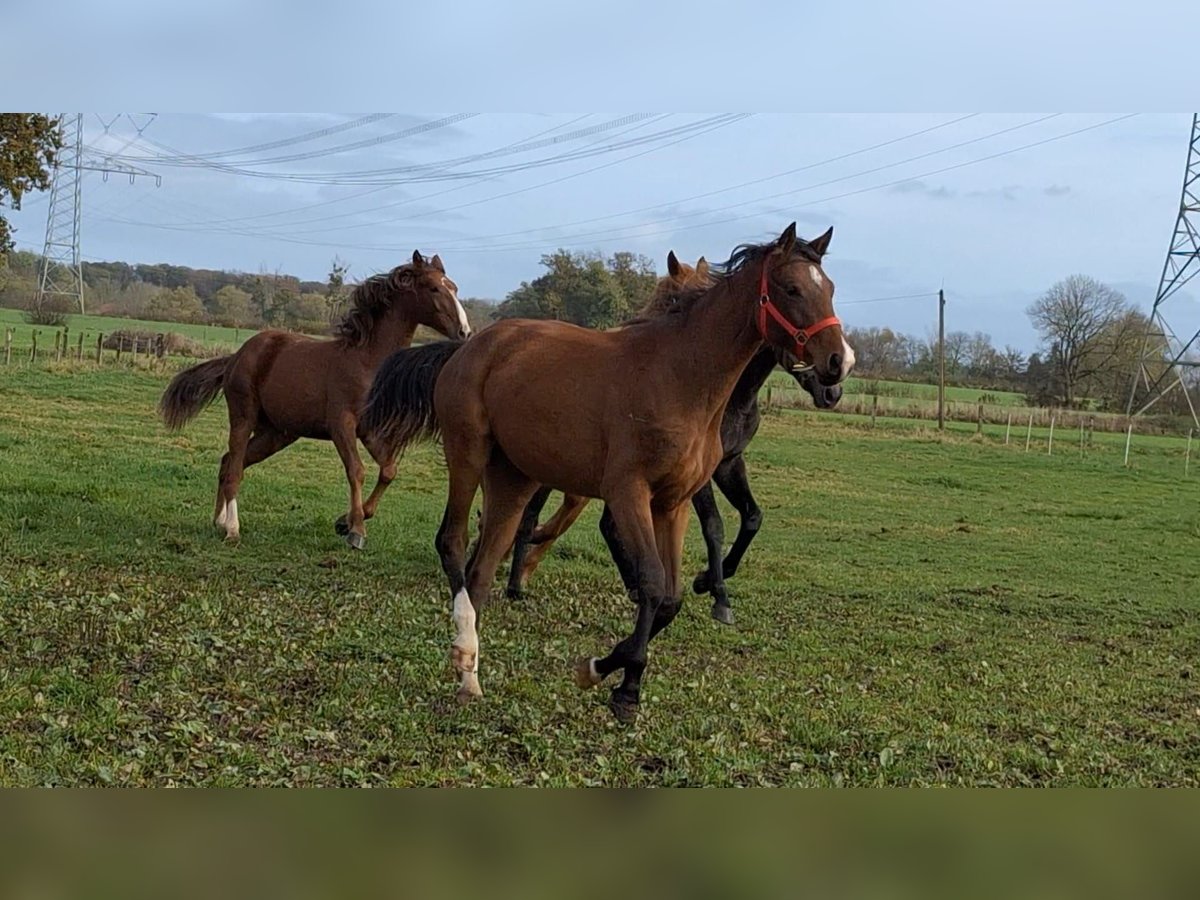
(1073,317)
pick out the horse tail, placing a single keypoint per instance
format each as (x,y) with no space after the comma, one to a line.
(192,390)
(399,408)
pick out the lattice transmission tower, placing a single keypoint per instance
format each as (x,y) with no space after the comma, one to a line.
(1165,356)
(61,274)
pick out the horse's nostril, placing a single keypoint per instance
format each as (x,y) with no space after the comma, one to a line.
(835,362)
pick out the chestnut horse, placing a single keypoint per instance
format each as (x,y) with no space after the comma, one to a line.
(738,428)
(632,416)
(281,386)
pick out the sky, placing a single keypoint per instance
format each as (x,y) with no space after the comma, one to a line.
(992,207)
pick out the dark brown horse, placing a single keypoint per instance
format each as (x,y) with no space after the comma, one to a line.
(632,416)
(738,427)
(281,386)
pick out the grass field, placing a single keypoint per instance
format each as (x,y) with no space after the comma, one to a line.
(916,610)
(91,326)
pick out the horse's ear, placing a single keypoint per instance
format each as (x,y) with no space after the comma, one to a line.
(702,267)
(418,260)
(672,265)
(437,264)
(787,240)
(821,244)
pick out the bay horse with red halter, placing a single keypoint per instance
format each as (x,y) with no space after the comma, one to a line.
(631,416)
(738,427)
(280,386)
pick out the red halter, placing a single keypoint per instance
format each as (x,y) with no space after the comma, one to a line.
(800,335)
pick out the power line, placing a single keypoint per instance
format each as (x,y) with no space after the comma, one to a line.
(179,158)
(283,142)
(778,210)
(923,296)
(734,187)
(374,190)
(434,212)
(690,130)
(639,226)
(434,172)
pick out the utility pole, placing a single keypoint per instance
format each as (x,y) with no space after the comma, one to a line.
(1165,354)
(60,272)
(941,360)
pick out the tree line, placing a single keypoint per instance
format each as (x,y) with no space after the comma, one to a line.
(1091,336)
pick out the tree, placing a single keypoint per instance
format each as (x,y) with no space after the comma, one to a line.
(304,312)
(480,312)
(583,289)
(335,289)
(231,307)
(634,275)
(29,144)
(1072,317)
(180,304)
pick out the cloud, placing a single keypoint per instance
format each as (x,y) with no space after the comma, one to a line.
(917,186)
(1057,190)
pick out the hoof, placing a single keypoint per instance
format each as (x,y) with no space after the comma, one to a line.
(514,593)
(233,538)
(623,707)
(341,526)
(722,613)
(700,584)
(356,541)
(586,676)
(468,694)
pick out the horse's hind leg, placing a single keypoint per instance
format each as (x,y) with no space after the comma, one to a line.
(712,580)
(266,442)
(734,483)
(465,463)
(529,520)
(233,463)
(544,536)
(506,492)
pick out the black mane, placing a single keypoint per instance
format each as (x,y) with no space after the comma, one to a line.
(749,254)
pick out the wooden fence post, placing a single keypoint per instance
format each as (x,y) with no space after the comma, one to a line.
(1029,431)
(135,345)
(874,408)
(99,346)
(120,344)
(1050,443)
(979,420)
(57,344)
(1008,428)
(33,349)
(1128,438)
(7,346)
(79,351)
(1081,436)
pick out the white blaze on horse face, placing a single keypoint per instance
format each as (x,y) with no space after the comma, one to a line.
(817,277)
(847,357)
(462,313)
